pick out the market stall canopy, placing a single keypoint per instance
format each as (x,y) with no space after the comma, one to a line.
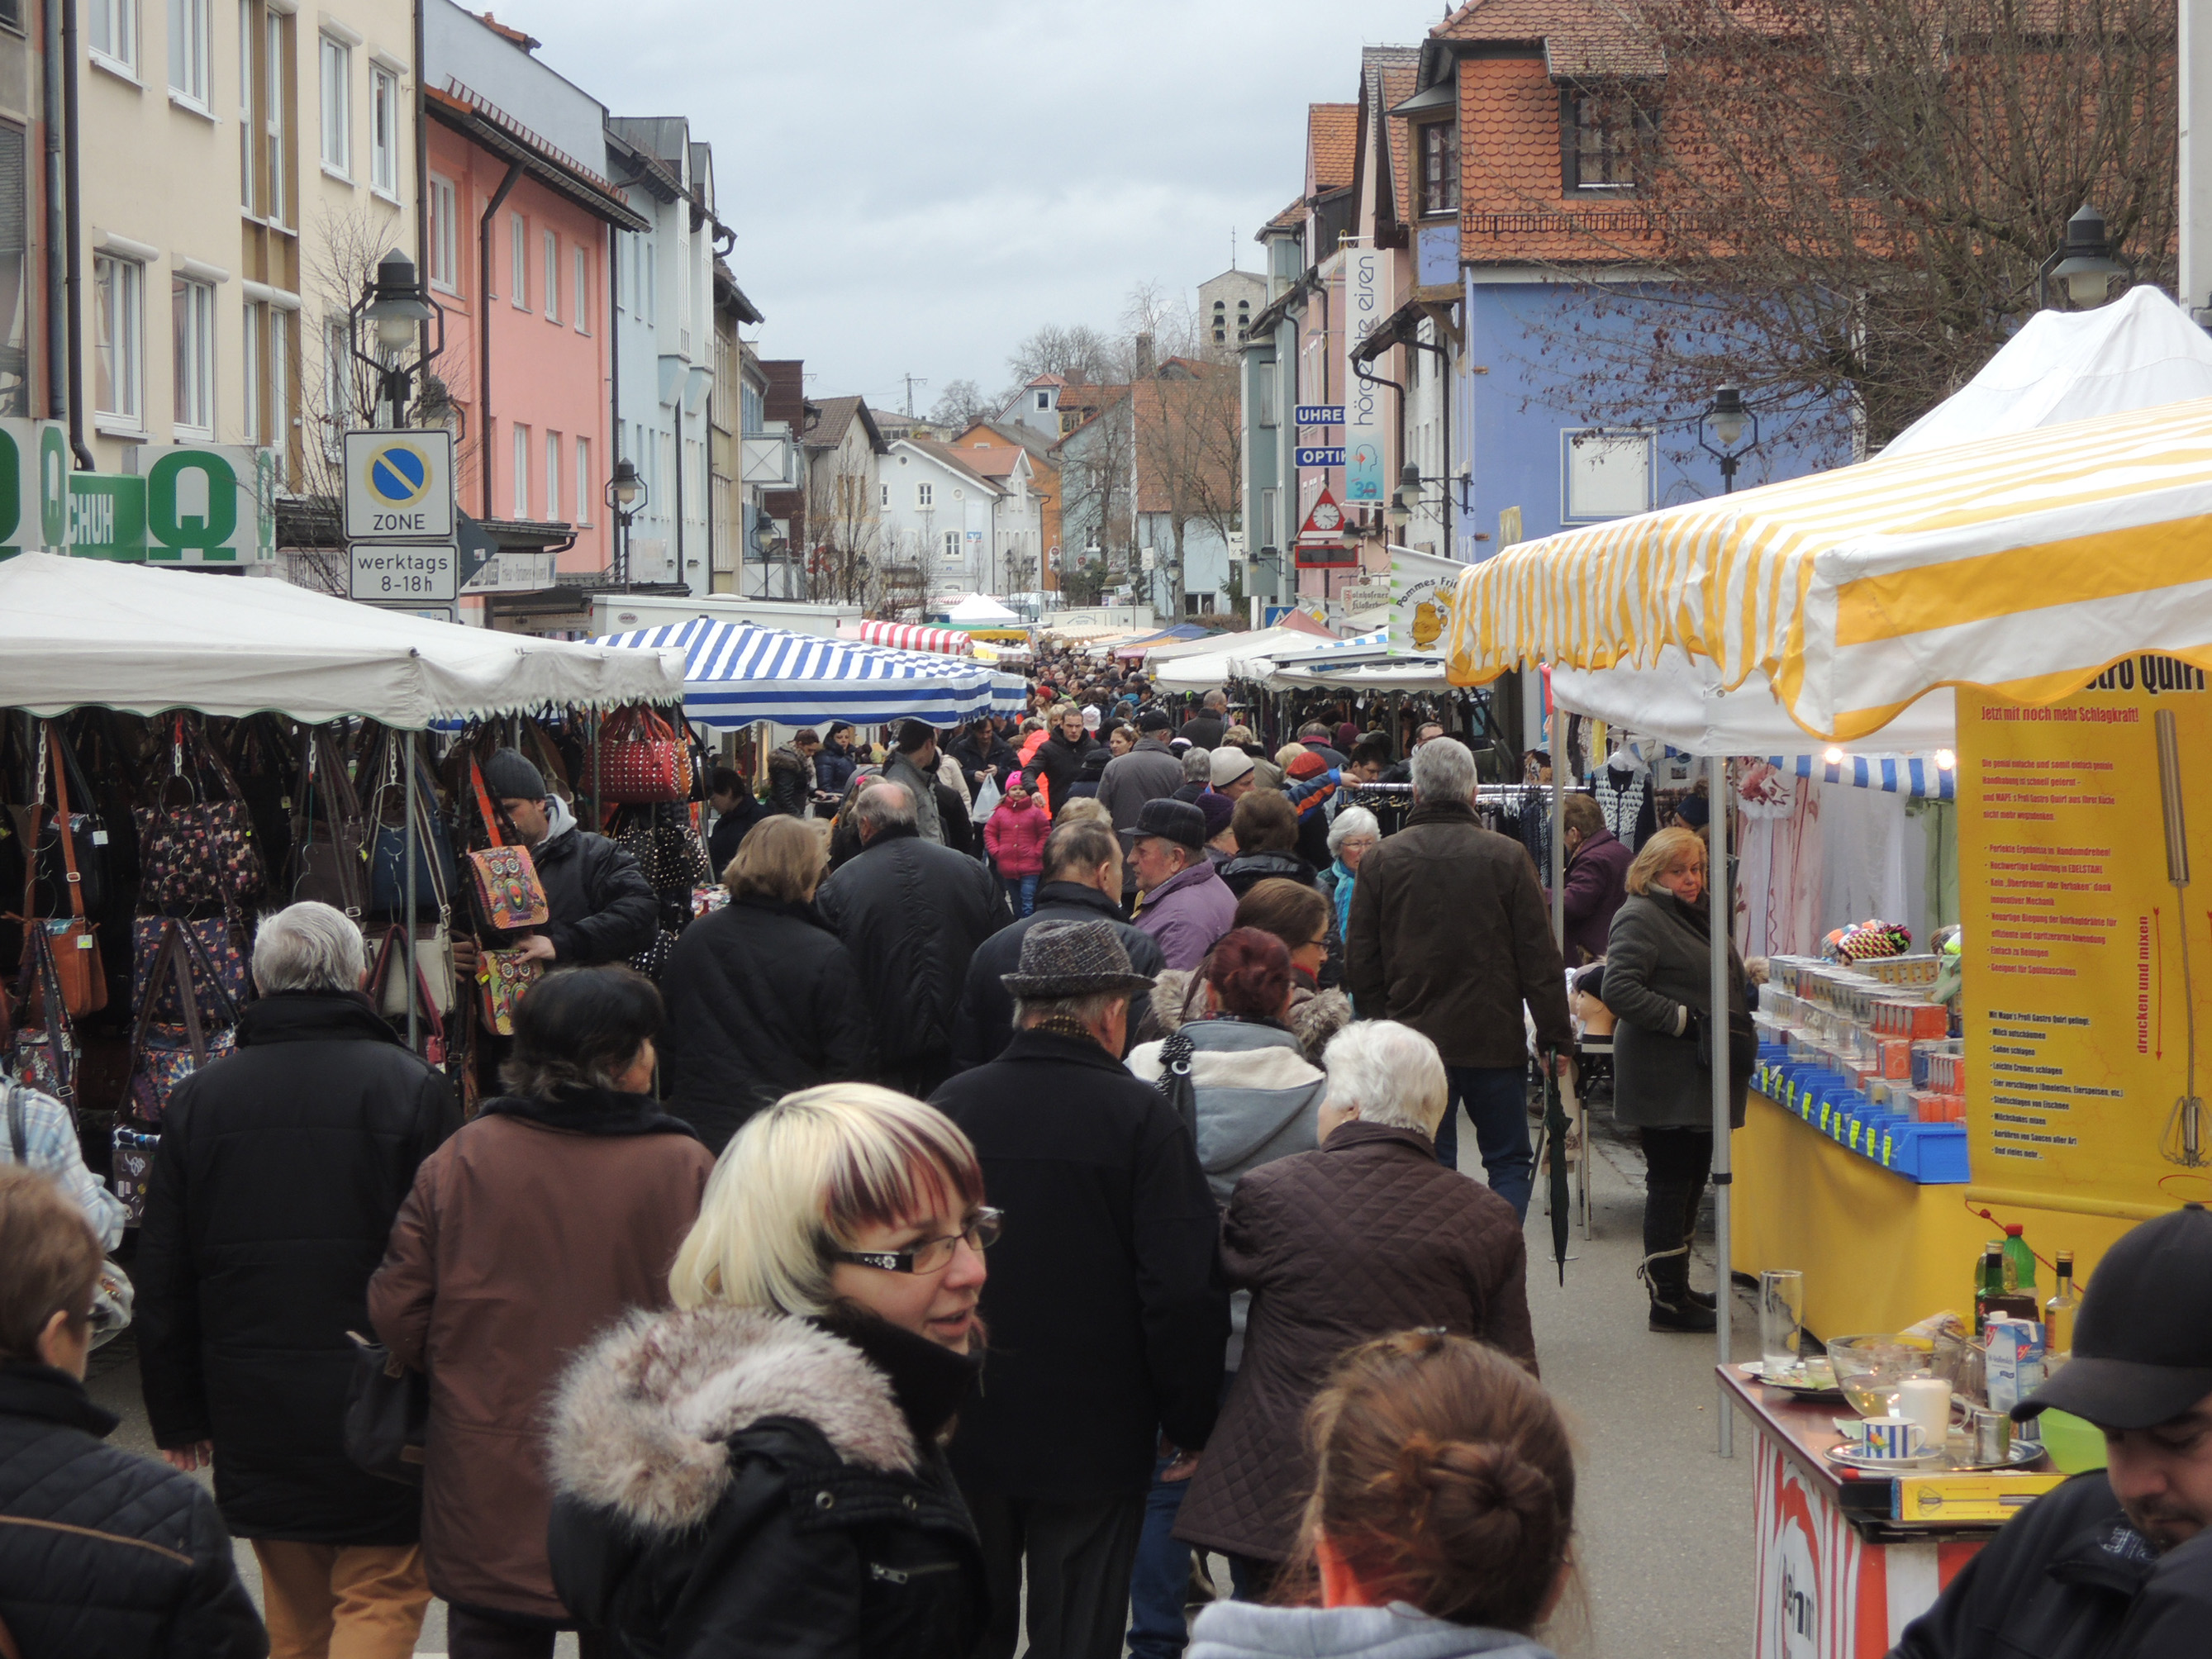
(2023,564)
(76,633)
(1254,643)
(1681,701)
(982,611)
(906,636)
(2138,352)
(1133,648)
(736,674)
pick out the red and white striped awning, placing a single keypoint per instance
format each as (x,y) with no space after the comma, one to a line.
(906,636)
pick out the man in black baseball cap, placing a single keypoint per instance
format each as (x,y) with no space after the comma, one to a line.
(2116,1564)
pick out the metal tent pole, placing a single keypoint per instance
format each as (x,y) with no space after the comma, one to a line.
(1559,831)
(410,844)
(1716,1027)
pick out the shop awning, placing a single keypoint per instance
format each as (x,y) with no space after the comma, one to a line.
(906,636)
(77,633)
(2023,564)
(736,674)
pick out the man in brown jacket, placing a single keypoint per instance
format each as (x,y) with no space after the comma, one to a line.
(1361,1237)
(1448,934)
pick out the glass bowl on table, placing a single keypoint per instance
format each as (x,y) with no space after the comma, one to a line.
(1869,1367)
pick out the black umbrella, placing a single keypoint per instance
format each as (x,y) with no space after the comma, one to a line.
(1555,1148)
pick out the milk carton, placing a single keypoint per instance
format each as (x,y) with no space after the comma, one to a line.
(2014,1368)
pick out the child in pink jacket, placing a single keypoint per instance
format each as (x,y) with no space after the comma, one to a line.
(1015,834)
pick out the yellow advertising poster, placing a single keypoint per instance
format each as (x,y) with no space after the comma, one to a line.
(2083,829)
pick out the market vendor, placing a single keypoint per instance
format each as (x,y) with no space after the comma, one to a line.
(2115,1563)
(601,909)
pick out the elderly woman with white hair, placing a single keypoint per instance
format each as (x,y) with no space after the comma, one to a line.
(1365,1235)
(761,1470)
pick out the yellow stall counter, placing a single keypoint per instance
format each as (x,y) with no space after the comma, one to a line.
(1879,1251)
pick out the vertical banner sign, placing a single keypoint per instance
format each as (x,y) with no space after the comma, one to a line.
(1366,302)
(2088,934)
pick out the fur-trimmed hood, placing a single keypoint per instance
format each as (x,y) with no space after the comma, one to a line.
(641,1419)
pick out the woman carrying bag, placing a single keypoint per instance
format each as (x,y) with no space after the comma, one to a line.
(1658,978)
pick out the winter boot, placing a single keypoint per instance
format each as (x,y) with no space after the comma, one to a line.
(1667,1276)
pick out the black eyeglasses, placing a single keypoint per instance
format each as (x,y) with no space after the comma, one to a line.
(930,1255)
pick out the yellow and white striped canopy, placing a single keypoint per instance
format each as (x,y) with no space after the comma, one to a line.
(2024,565)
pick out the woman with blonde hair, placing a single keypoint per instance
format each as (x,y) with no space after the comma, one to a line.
(763,997)
(1442,1518)
(761,1469)
(1658,981)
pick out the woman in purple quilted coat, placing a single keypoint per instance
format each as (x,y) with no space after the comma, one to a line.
(1365,1235)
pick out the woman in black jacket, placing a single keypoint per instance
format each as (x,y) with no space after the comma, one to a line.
(761,1471)
(762,998)
(1658,966)
(101,1551)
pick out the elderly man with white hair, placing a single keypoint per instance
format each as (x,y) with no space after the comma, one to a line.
(280,1170)
(1365,1235)
(1448,931)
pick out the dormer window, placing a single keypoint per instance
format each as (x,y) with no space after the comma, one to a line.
(1439,186)
(1044,400)
(1603,132)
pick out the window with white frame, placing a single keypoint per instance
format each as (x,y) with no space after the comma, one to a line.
(587,492)
(950,542)
(276,77)
(383,130)
(248,182)
(192,310)
(518,260)
(338,107)
(886,500)
(249,410)
(580,292)
(925,495)
(279,403)
(1604,474)
(552,276)
(553,475)
(444,240)
(119,359)
(1044,400)
(111,28)
(522,472)
(188,50)
(339,416)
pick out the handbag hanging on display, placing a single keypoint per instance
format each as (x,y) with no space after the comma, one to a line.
(220,975)
(73,942)
(386,820)
(42,1049)
(388,987)
(503,978)
(638,757)
(163,1056)
(506,886)
(199,850)
(72,870)
(329,832)
(131,1164)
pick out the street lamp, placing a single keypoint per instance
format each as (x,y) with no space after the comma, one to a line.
(626,497)
(1721,432)
(394,308)
(1406,500)
(2085,263)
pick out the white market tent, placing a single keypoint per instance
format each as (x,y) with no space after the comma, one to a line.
(982,611)
(2138,352)
(77,633)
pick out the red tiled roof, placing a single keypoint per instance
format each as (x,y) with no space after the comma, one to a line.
(1290,218)
(1332,133)
(1392,75)
(1577,37)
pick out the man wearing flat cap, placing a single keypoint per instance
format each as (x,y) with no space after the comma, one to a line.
(1185,905)
(1107,1308)
(2116,1564)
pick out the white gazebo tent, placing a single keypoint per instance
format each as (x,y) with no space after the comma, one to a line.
(982,611)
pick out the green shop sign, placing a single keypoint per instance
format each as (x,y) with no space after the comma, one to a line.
(34,465)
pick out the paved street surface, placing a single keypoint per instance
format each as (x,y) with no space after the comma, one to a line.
(1666,1524)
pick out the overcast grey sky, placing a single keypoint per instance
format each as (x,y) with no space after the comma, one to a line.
(917,184)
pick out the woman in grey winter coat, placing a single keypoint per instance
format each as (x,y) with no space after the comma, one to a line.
(1658,968)
(1442,1512)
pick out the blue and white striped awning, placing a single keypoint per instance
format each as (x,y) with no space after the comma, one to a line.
(1899,774)
(736,674)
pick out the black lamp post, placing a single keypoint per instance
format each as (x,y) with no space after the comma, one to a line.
(1721,433)
(626,495)
(2085,263)
(394,306)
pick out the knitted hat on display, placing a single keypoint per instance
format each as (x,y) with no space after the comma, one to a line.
(1073,959)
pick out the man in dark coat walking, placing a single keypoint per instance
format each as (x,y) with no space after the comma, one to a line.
(1448,934)
(280,1171)
(1203,730)
(1059,759)
(911,913)
(1106,1304)
(1082,883)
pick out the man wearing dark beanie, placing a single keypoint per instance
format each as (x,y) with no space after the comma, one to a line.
(602,908)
